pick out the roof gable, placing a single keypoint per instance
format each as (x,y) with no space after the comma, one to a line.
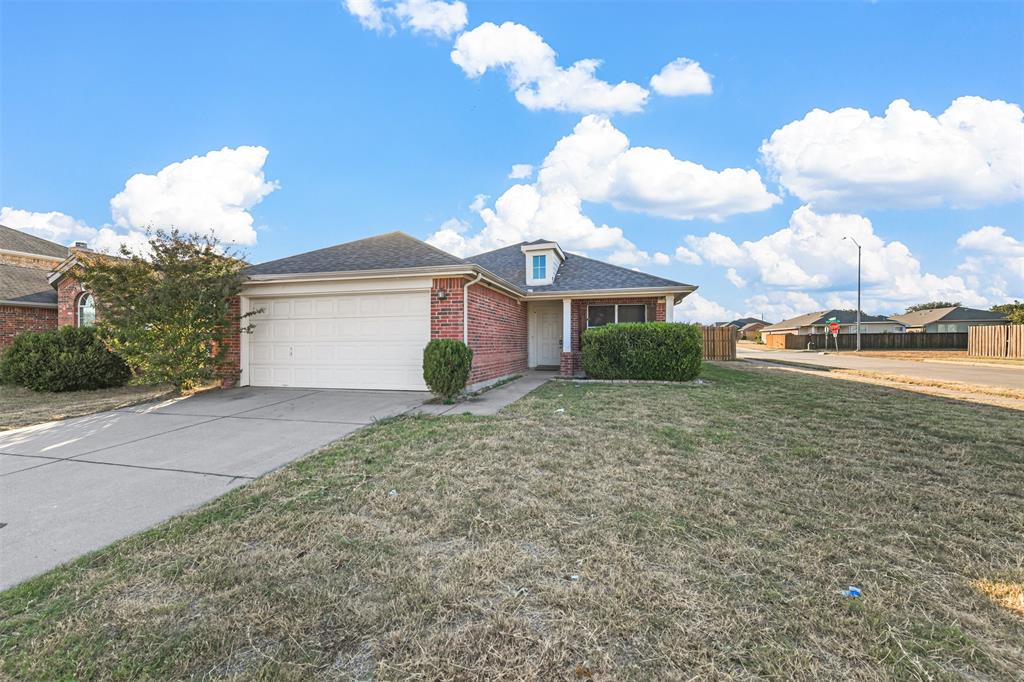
(23,242)
(391,251)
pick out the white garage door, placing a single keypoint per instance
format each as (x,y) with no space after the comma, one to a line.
(340,341)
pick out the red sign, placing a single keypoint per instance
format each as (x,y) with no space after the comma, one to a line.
(834,328)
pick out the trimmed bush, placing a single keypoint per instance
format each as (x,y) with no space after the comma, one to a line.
(446,365)
(661,351)
(64,359)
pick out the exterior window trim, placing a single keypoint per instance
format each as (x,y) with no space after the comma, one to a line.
(540,264)
(615,314)
(79,304)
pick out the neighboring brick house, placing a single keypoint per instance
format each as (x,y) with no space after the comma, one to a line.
(27,301)
(358,315)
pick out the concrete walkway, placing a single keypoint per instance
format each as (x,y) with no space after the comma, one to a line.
(73,486)
(491,401)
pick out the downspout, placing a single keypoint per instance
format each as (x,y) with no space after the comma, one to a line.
(465,308)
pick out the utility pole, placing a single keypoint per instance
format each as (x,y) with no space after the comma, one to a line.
(858,289)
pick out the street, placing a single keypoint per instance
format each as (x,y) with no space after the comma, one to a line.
(979,375)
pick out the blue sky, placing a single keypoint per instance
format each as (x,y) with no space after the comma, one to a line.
(298,125)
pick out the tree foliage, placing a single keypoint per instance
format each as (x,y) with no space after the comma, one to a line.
(168,313)
(1014,311)
(931,305)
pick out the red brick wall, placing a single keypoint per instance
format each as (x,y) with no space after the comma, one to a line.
(16,319)
(497,334)
(497,326)
(68,289)
(446,315)
(572,363)
(231,367)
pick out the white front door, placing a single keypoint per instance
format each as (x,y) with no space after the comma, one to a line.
(546,335)
(372,340)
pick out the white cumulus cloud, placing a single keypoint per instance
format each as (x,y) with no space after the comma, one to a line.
(970,155)
(696,308)
(535,76)
(52,225)
(595,163)
(368,12)
(209,193)
(442,19)
(682,77)
(995,259)
(810,255)
(684,255)
(204,194)
(520,171)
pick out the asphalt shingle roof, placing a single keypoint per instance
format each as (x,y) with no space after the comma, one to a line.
(25,285)
(821,316)
(742,322)
(383,252)
(919,318)
(16,240)
(575,274)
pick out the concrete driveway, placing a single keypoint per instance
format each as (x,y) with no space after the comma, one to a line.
(70,487)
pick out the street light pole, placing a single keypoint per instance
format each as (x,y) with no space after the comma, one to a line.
(858,289)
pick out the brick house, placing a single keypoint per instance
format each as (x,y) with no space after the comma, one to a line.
(357,315)
(27,301)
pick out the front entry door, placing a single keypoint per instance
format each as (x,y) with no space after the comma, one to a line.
(549,337)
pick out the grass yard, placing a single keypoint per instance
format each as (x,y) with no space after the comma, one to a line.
(598,531)
(22,407)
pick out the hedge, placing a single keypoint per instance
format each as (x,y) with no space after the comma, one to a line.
(64,359)
(661,351)
(446,365)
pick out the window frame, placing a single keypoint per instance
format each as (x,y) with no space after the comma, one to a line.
(541,260)
(79,304)
(615,312)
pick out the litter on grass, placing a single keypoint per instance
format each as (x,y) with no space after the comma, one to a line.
(852,592)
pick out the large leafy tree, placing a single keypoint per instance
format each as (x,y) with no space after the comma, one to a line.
(931,305)
(1013,311)
(168,312)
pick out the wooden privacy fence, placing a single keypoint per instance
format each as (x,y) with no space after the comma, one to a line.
(1002,341)
(903,341)
(719,343)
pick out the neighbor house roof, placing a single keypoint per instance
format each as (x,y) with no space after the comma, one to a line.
(391,251)
(919,318)
(22,242)
(399,251)
(576,273)
(751,325)
(25,287)
(741,322)
(822,316)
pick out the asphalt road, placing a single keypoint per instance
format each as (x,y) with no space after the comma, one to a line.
(981,375)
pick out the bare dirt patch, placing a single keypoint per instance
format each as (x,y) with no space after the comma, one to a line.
(22,407)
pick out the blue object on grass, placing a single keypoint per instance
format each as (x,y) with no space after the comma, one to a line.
(852,592)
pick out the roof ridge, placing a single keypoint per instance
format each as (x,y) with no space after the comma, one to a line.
(619,267)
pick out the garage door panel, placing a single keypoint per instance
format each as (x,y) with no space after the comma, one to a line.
(344,341)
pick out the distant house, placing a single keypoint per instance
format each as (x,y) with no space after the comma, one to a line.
(818,323)
(751,330)
(951,319)
(27,301)
(741,322)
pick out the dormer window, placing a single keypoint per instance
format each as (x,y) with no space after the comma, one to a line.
(542,260)
(540,267)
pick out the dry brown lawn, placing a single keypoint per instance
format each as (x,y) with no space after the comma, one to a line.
(22,407)
(601,532)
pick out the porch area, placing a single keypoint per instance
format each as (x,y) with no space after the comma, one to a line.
(555,325)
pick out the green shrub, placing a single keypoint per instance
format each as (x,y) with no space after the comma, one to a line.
(446,365)
(64,359)
(654,350)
